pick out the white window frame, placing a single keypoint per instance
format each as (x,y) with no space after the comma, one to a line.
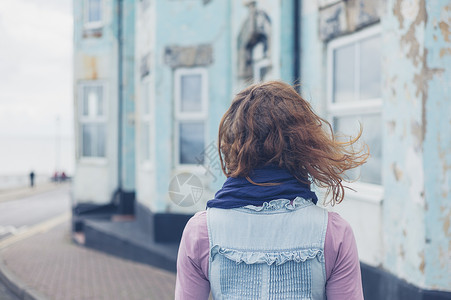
(98,119)
(93,25)
(149,119)
(189,116)
(366,191)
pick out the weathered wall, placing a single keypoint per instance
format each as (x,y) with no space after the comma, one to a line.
(404,202)
(417,142)
(436,90)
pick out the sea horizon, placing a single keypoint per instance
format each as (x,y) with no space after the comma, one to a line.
(44,155)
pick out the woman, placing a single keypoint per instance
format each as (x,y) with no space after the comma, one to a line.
(263,237)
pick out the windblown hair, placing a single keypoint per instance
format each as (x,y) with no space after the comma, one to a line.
(271,124)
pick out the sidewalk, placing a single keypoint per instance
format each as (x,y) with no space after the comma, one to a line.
(48,265)
(51,264)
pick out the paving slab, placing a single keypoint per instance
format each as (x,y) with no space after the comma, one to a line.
(53,266)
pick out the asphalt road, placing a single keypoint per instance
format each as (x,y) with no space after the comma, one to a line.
(18,215)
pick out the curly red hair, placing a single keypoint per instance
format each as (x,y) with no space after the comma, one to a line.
(271,124)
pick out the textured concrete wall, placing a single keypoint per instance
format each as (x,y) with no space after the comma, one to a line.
(436,74)
(404,203)
(417,207)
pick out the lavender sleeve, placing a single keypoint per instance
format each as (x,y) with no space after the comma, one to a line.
(344,281)
(340,252)
(192,260)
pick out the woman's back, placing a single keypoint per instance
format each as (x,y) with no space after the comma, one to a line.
(265,237)
(276,251)
(343,278)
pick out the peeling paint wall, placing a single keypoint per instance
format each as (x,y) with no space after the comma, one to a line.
(437,144)
(417,202)
(404,202)
(409,232)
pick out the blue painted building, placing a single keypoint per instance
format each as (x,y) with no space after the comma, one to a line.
(154,77)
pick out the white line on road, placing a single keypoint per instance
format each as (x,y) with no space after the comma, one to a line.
(38,228)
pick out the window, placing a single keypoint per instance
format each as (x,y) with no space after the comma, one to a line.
(190,115)
(145,140)
(354,95)
(92,119)
(93,13)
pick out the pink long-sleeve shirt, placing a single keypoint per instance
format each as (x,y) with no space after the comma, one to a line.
(343,278)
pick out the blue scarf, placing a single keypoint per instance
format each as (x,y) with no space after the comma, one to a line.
(239,192)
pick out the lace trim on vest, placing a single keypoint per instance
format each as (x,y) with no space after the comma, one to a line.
(277,258)
(279,204)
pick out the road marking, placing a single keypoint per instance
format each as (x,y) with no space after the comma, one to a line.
(33,230)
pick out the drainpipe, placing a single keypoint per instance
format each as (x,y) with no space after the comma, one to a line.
(297,41)
(118,194)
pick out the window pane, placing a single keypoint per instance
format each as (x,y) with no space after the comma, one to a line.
(87,139)
(370,68)
(93,140)
(191,142)
(145,141)
(92,101)
(370,172)
(94,10)
(372,136)
(191,93)
(343,74)
(100,140)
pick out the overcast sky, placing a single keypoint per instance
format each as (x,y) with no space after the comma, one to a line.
(35,67)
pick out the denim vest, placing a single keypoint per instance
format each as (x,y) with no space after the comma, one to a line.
(274,251)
